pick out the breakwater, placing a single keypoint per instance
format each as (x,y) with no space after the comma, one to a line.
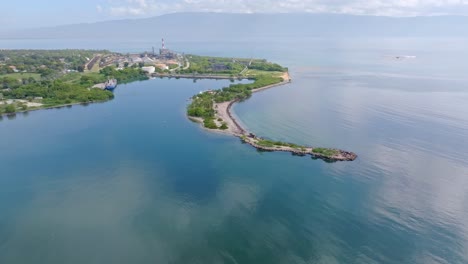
(251,139)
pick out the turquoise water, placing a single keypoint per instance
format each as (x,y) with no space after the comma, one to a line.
(133,181)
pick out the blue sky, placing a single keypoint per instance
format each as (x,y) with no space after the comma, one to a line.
(37,13)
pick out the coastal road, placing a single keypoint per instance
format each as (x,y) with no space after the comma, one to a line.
(185,68)
(246,68)
(188,65)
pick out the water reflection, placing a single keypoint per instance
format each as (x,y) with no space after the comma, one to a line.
(11,116)
(108,183)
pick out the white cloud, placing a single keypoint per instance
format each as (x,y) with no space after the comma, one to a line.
(368,7)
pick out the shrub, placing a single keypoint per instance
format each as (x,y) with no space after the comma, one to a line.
(325,151)
(10,109)
(209,123)
(223,126)
(23,106)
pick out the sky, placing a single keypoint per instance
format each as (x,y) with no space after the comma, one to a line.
(39,13)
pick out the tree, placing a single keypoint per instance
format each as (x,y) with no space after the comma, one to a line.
(223,126)
(141,64)
(23,106)
(126,64)
(45,72)
(10,109)
(80,68)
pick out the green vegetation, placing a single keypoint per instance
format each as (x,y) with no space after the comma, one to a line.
(266,66)
(56,77)
(269,143)
(72,88)
(228,66)
(209,65)
(10,109)
(223,126)
(33,61)
(57,92)
(329,153)
(125,75)
(325,151)
(263,74)
(21,75)
(202,104)
(210,123)
(243,91)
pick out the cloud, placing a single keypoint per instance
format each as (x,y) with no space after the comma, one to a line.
(357,7)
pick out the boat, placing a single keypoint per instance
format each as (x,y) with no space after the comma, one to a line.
(110,84)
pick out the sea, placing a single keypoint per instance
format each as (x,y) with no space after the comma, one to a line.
(133,180)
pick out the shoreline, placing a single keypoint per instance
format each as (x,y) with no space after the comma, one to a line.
(223,111)
(52,107)
(238,130)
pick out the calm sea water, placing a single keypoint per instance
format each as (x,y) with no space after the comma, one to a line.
(133,181)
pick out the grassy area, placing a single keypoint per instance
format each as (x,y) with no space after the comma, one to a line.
(264,74)
(44,62)
(278,144)
(215,65)
(56,77)
(210,123)
(252,72)
(270,143)
(325,151)
(230,66)
(95,68)
(202,104)
(22,75)
(69,88)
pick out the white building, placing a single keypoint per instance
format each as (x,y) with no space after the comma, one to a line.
(149,69)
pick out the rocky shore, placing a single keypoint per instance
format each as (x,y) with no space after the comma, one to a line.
(223,112)
(339,155)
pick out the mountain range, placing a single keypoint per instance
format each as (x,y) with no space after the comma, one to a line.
(238,26)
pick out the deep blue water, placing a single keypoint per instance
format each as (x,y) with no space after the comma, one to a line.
(133,181)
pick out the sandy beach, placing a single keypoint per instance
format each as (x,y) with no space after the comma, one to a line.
(223,110)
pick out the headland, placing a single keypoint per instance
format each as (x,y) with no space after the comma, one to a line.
(213,110)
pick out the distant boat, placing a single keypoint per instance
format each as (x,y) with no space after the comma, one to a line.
(401,57)
(110,84)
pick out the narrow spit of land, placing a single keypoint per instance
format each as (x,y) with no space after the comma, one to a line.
(213,110)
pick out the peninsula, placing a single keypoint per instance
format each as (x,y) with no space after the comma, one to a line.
(212,108)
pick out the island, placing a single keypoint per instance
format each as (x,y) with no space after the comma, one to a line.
(38,79)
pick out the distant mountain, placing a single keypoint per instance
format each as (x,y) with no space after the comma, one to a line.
(238,26)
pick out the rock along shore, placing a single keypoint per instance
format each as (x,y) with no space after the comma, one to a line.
(223,111)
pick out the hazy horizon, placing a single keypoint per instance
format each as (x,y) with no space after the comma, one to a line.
(211,25)
(117,19)
(31,14)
